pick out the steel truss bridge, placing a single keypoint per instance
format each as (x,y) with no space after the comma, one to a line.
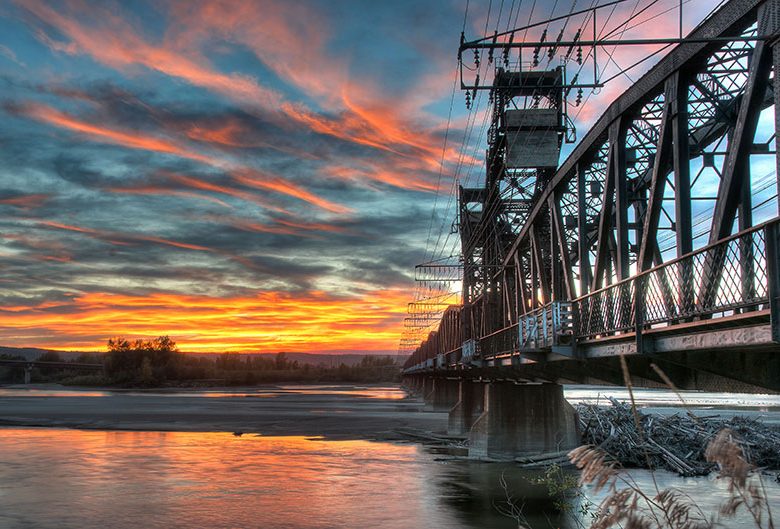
(29,365)
(657,239)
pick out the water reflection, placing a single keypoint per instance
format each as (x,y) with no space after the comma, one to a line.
(347,391)
(34,392)
(574,394)
(68,478)
(481,492)
(74,479)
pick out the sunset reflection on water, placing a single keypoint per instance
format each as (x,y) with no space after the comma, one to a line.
(367,392)
(72,479)
(176,479)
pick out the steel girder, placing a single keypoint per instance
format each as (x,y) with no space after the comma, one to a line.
(666,170)
(626,198)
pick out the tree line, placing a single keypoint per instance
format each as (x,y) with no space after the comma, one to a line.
(158,362)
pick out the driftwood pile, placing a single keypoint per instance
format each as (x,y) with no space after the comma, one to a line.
(677,442)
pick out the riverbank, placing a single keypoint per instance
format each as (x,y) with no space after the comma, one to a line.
(335,411)
(339,412)
(183,439)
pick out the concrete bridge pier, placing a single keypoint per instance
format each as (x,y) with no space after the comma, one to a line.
(427,390)
(521,420)
(468,408)
(412,384)
(443,396)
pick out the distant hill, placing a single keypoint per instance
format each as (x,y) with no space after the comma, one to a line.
(329,360)
(31,353)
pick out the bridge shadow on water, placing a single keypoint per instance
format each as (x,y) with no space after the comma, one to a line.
(479,494)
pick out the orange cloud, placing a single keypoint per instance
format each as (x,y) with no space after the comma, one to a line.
(317,226)
(258,180)
(26,201)
(225,190)
(366,116)
(169,242)
(42,249)
(285,227)
(272,31)
(129,239)
(374,172)
(230,132)
(68,227)
(122,239)
(245,175)
(268,228)
(268,322)
(112,40)
(53,116)
(160,190)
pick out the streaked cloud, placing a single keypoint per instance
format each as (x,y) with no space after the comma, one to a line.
(266,322)
(244,176)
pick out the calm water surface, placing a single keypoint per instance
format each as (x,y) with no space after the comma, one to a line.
(52,478)
(60,478)
(370,392)
(73,479)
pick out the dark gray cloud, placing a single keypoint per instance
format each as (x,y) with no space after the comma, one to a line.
(122,177)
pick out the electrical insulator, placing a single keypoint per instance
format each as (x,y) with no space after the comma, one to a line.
(490,51)
(572,84)
(553,49)
(476,59)
(537,49)
(579,98)
(468,100)
(579,54)
(571,48)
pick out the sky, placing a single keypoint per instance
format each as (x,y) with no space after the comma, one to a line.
(241,176)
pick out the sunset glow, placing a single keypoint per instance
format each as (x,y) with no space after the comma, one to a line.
(267,322)
(241,176)
(252,203)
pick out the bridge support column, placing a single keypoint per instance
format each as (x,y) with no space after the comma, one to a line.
(427,389)
(468,408)
(444,395)
(412,384)
(27,374)
(523,420)
(419,385)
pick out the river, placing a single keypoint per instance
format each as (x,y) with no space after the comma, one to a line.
(77,478)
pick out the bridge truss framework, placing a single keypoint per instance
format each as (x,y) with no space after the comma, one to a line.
(652,238)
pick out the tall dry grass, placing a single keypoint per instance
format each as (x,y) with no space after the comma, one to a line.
(629,506)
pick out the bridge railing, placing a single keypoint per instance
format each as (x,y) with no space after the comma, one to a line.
(544,327)
(721,279)
(549,325)
(500,342)
(737,275)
